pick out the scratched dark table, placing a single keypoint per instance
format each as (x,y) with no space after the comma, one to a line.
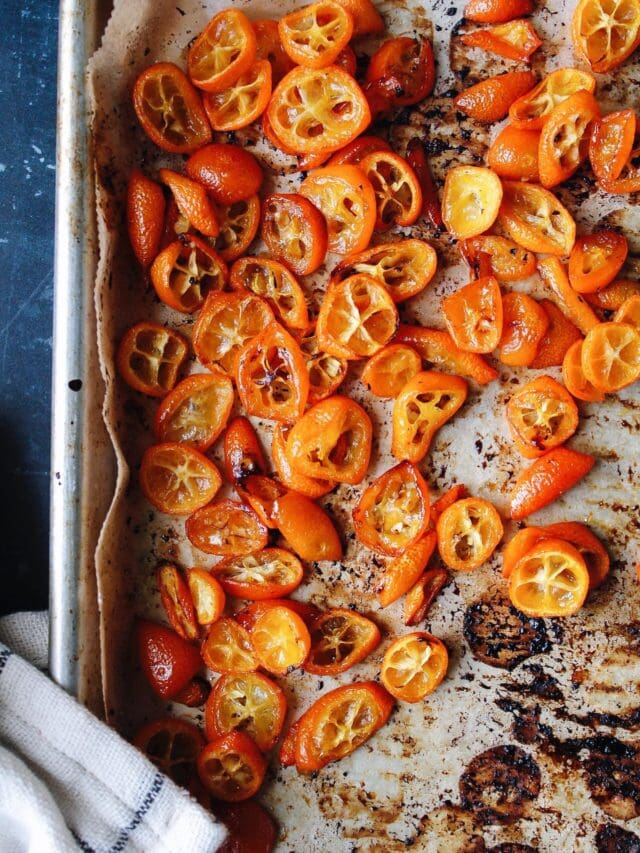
(28,46)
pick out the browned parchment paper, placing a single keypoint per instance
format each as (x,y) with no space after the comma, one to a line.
(402,789)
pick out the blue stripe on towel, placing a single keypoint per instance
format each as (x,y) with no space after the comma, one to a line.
(83,844)
(5,654)
(123,838)
(154,790)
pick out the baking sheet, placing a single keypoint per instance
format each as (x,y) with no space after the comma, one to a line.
(402,788)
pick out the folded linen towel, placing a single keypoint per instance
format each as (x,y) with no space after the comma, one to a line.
(68,782)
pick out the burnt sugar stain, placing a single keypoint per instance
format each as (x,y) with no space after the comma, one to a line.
(508,847)
(611,838)
(500,784)
(545,686)
(501,636)
(611,767)
(542,685)
(612,771)
(629,721)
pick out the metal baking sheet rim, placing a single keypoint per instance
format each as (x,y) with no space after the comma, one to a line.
(79,443)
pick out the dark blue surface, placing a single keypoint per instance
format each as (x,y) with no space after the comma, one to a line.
(28,46)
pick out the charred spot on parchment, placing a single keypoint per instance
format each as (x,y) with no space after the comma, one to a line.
(629,721)
(501,636)
(611,838)
(542,684)
(612,771)
(609,682)
(611,767)
(351,802)
(575,191)
(460,827)
(450,137)
(500,784)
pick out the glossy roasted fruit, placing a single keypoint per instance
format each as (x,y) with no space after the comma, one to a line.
(413,666)
(185,272)
(307,528)
(425,403)
(340,638)
(508,261)
(177,479)
(173,746)
(196,411)
(270,573)
(313,110)
(530,111)
(232,767)
(404,267)
(547,478)
(272,376)
(332,441)
(192,202)
(523,327)
(596,259)
(170,110)
(397,190)
(223,51)
(550,580)
(295,232)
(339,722)
(227,529)
(514,40)
(559,335)
(490,99)
(541,415)
(573,376)
(611,144)
(564,138)
(280,640)
(225,324)
(403,571)
(514,154)
(611,356)
(393,512)
(604,33)
(177,601)
(145,217)
(168,662)
(409,63)
(227,648)
(149,358)
(470,201)
(468,533)
(357,318)
(273,282)
(243,101)
(474,315)
(229,173)
(248,702)
(535,219)
(387,372)
(345,197)
(314,35)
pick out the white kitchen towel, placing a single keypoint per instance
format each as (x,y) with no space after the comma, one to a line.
(68,782)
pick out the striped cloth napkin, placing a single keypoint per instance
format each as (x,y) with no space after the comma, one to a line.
(67,781)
